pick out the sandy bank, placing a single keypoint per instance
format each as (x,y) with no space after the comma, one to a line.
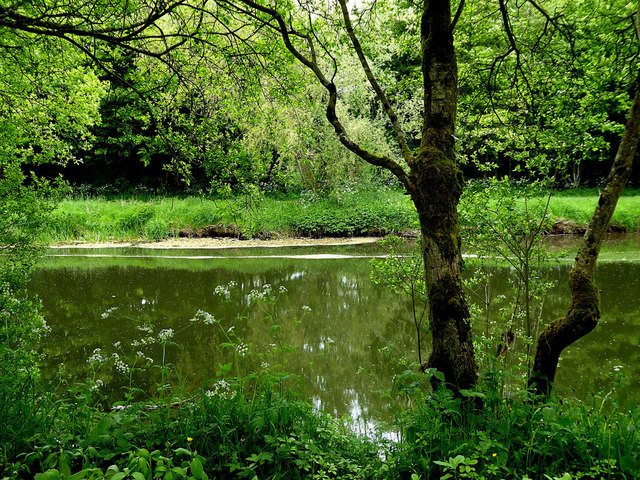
(219,243)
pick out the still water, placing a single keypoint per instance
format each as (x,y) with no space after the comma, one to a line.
(345,349)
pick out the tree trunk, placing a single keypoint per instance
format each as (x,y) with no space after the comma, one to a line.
(436,188)
(452,345)
(584,312)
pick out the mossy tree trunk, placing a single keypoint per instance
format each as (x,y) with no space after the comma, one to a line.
(435,187)
(584,312)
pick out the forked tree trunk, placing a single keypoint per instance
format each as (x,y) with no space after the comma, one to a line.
(436,181)
(584,312)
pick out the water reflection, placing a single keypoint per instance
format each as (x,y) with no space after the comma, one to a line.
(342,348)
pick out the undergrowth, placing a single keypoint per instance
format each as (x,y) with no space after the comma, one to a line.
(271,434)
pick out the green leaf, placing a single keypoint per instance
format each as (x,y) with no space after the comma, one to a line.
(226,367)
(52,474)
(196,468)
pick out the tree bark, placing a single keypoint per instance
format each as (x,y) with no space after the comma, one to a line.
(436,184)
(584,312)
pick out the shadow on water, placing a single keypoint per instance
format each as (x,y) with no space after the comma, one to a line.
(346,349)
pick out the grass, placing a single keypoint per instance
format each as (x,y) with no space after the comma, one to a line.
(578,206)
(346,213)
(272,433)
(100,219)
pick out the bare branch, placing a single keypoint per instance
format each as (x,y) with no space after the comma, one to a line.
(456,17)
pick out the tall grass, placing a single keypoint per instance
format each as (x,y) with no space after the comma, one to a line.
(345,214)
(348,212)
(580,208)
(274,434)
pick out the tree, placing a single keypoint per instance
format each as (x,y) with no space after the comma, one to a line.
(584,311)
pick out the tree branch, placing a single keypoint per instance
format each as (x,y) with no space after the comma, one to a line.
(391,114)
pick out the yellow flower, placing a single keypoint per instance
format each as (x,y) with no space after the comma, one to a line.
(189,439)
(494,454)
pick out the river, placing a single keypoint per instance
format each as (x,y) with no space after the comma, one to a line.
(345,336)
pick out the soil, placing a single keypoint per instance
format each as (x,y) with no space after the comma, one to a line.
(566,227)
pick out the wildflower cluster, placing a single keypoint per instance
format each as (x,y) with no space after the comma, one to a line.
(165,335)
(225,290)
(143,342)
(120,365)
(264,293)
(204,317)
(97,384)
(220,389)
(143,356)
(96,357)
(147,328)
(242,349)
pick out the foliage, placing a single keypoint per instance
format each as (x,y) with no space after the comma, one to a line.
(229,430)
(545,101)
(505,224)
(48,103)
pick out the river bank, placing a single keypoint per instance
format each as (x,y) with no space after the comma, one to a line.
(282,218)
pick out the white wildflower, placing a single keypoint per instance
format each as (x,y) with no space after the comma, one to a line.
(261,294)
(306,308)
(145,328)
(97,384)
(204,317)
(96,357)
(242,349)
(282,289)
(120,366)
(223,291)
(220,389)
(165,335)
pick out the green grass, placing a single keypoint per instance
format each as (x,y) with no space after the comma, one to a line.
(274,434)
(578,207)
(348,213)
